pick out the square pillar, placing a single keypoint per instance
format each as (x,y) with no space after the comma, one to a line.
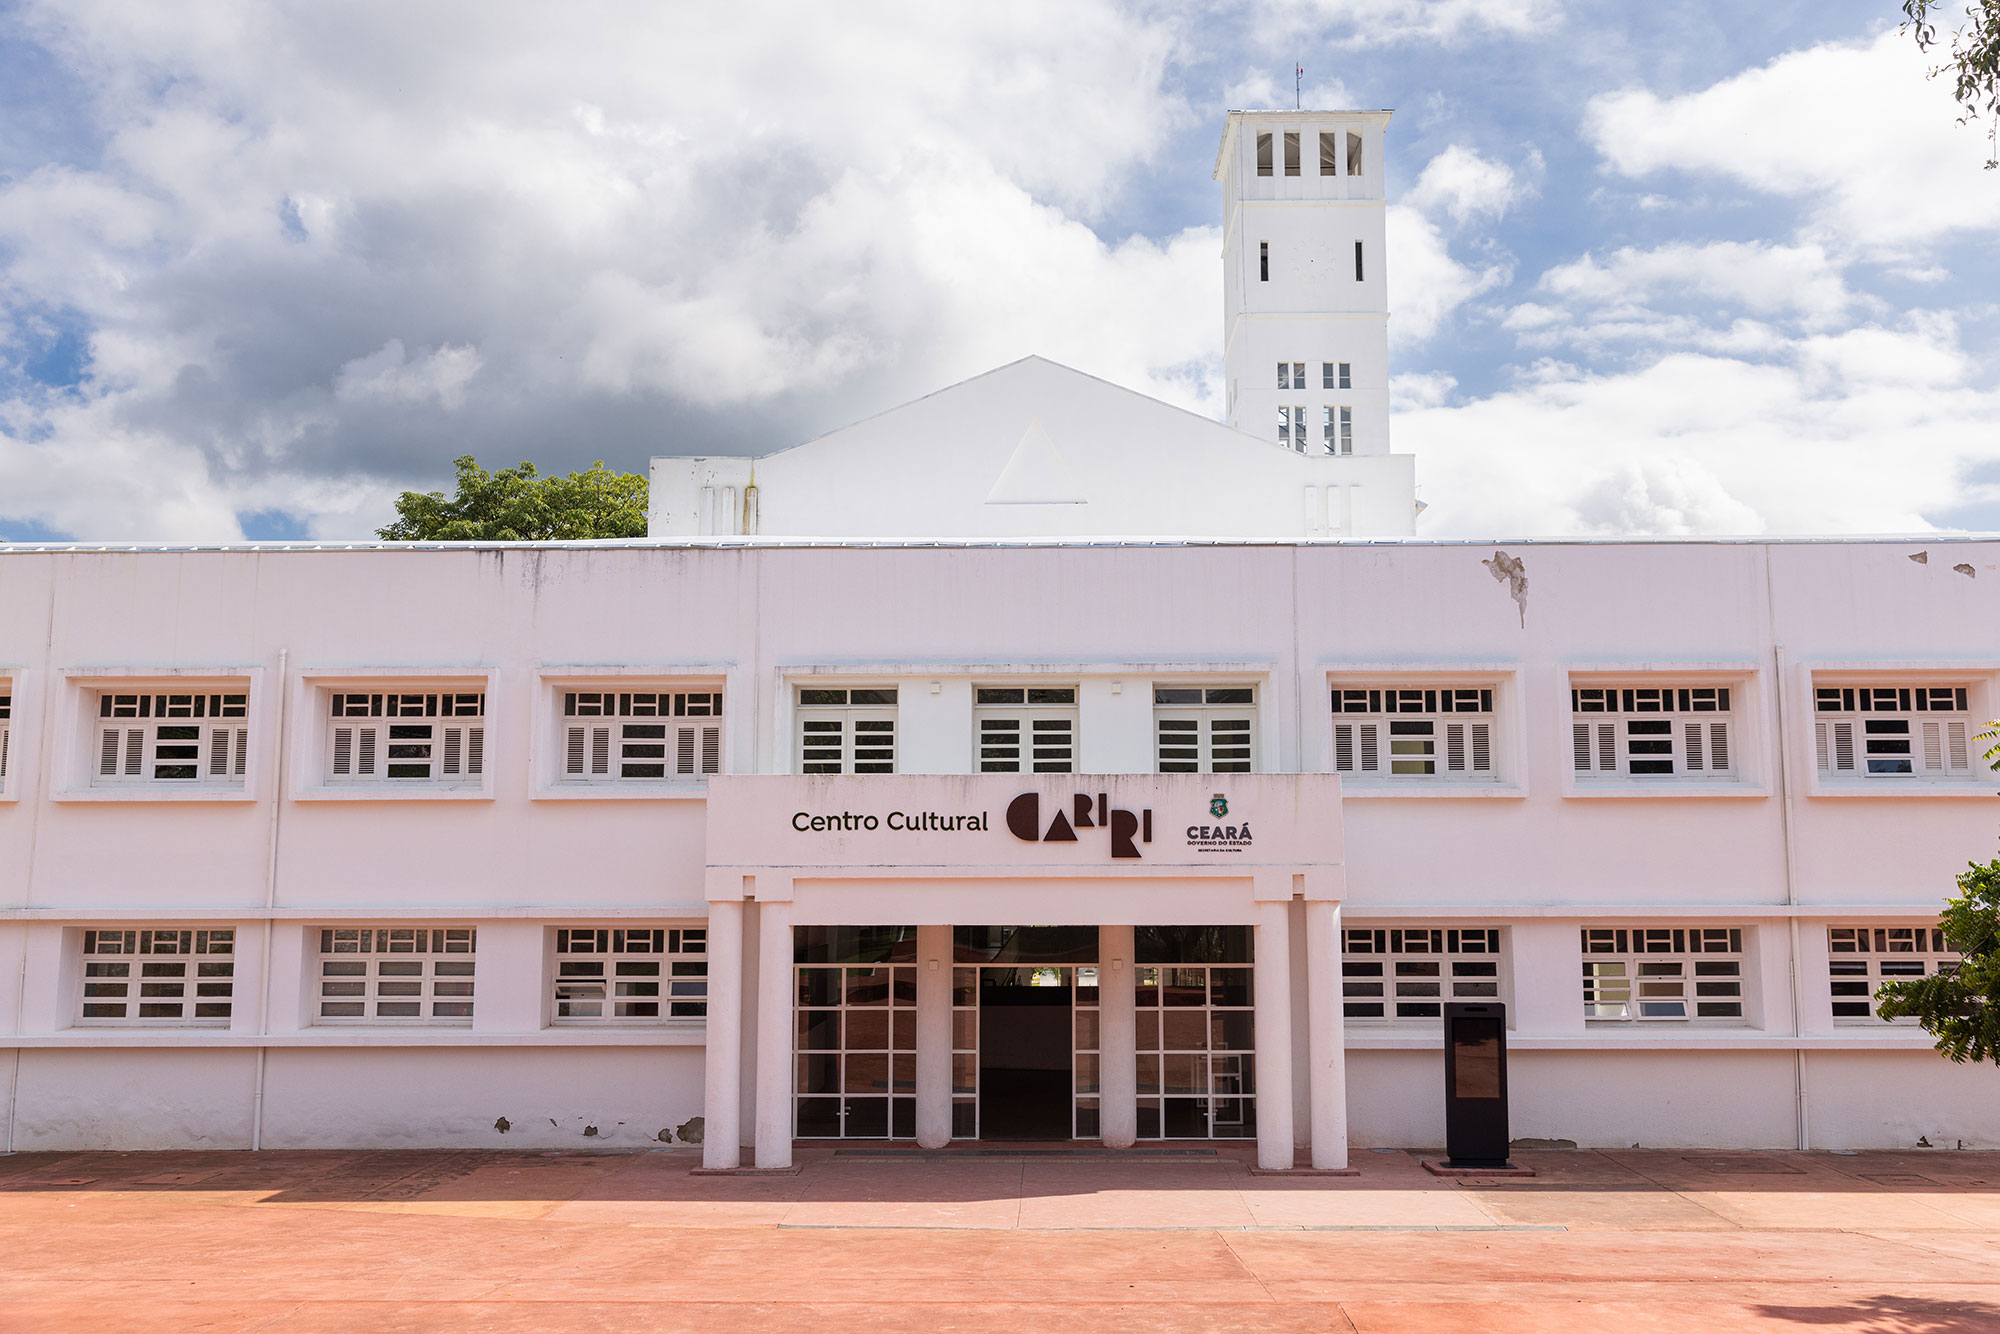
(1117,1063)
(1272,963)
(722,1069)
(934,959)
(1326,1036)
(774,1035)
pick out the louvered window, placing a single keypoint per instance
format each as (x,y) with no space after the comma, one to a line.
(172,739)
(396,974)
(847,730)
(1913,732)
(154,976)
(640,736)
(6,731)
(609,975)
(1398,733)
(1652,732)
(1025,729)
(1861,958)
(1410,972)
(1642,973)
(427,737)
(1205,729)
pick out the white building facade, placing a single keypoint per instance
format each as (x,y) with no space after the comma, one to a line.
(570,846)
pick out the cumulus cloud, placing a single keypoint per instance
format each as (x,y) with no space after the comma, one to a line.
(1429,283)
(1465,185)
(1853,130)
(319,250)
(1384,22)
(1695,443)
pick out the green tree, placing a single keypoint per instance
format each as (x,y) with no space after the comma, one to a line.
(1975,56)
(521,504)
(1961,1008)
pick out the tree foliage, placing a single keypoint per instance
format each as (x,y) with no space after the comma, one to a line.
(1975,56)
(1961,1009)
(521,504)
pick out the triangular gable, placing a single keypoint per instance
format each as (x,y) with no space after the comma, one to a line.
(1036,474)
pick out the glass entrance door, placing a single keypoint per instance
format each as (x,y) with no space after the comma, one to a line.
(1025,1080)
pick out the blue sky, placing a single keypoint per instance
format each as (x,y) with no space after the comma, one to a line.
(1661,268)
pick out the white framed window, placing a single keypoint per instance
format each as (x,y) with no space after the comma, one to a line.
(1335,375)
(1407,973)
(1025,729)
(1263,154)
(1861,958)
(396,974)
(630,974)
(1337,430)
(158,975)
(1329,152)
(1291,152)
(1905,731)
(1434,733)
(1291,375)
(847,730)
(1205,729)
(1663,972)
(644,736)
(416,738)
(1652,732)
(1292,428)
(171,738)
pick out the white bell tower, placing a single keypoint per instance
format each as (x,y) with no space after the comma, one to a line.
(1305,293)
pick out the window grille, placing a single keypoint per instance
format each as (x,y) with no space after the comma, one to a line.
(392,974)
(1205,729)
(1026,729)
(847,731)
(198,739)
(1196,1035)
(155,976)
(1653,973)
(1652,732)
(856,1048)
(605,975)
(424,737)
(6,727)
(640,736)
(1410,972)
(1893,731)
(1415,732)
(1861,958)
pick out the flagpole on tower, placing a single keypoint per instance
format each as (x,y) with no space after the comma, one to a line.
(1298,86)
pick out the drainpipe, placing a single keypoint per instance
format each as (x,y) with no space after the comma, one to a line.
(270,903)
(1791,883)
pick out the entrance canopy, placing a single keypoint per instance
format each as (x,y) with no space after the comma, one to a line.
(1077,849)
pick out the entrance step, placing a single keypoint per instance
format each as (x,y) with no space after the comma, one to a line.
(1024,1153)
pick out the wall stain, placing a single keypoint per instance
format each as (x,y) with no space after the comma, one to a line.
(1513,572)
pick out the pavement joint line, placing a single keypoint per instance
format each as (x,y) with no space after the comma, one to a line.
(1166,1227)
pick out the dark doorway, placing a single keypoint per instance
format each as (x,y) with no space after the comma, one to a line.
(1024,1053)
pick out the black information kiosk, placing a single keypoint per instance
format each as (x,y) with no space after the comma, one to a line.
(1475,1085)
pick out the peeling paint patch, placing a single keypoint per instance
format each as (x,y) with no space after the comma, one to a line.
(689,1131)
(1513,572)
(1966,570)
(503,1125)
(590,1132)
(1922,558)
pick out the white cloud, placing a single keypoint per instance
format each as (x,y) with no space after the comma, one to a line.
(1429,284)
(1854,130)
(1465,185)
(1760,277)
(1382,22)
(333,245)
(1698,443)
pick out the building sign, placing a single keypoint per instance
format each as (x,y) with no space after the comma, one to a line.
(1007,821)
